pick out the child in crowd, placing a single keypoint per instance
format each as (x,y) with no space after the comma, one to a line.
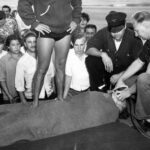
(26,68)
(85,18)
(8,69)
(77,78)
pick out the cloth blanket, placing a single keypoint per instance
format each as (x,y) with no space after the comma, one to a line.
(52,118)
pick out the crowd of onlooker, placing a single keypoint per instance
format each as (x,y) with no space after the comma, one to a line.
(96,60)
(18,60)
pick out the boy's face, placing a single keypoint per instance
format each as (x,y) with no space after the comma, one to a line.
(14,46)
(79,46)
(6,11)
(30,44)
(83,23)
(1,46)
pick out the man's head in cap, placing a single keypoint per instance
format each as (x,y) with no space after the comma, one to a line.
(116,24)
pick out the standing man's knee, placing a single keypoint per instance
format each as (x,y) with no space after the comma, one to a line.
(60,64)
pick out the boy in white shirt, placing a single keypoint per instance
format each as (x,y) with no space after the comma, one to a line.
(26,68)
(77,77)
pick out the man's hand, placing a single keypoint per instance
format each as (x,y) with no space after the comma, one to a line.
(107,62)
(119,84)
(42,28)
(114,78)
(73,26)
(122,95)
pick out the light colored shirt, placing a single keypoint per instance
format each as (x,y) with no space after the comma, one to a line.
(76,68)
(117,44)
(8,71)
(25,71)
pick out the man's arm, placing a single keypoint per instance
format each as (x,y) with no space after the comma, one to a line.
(20,81)
(67,85)
(5,89)
(94,52)
(132,69)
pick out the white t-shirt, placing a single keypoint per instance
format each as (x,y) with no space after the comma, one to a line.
(76,68)
(117,44)
(25,71)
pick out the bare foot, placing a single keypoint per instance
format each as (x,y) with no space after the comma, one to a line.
(35,104)
(59,99)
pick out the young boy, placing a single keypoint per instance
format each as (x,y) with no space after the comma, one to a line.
(77,77)
(26,68)
(8,68)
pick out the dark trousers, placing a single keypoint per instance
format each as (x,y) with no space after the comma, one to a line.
(143,95)
(97,73)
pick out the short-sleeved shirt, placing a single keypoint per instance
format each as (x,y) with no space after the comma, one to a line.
(76,68)
(8,71)
(145,54)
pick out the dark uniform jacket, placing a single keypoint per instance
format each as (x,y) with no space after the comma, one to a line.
(128,51)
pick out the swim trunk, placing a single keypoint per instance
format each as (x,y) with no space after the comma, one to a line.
(52,35)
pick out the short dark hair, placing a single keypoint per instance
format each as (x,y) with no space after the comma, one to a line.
(85,16)
(13,37)
(77,36)
(141,16)
(93,26)
(6,6)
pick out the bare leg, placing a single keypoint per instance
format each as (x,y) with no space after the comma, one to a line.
(61,51)
(44,51)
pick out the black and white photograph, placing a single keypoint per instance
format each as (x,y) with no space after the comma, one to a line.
(74,75)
